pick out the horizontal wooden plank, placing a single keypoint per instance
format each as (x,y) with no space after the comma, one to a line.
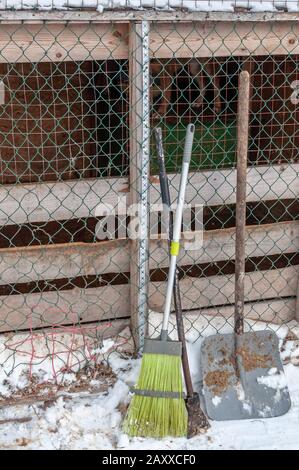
(219,245)
(96,304)
(219,290)
(42,202)
(273,311)
(63,261)
(102,330)
(217,187)
(123,15)
(182,40)
(82,259)
(57,41)
(20,312)
(96,330)
(199,321)
(60,42)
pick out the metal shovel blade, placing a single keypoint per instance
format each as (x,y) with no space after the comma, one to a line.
(243,376)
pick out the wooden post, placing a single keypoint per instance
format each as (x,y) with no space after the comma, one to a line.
(139,177)
(242,153)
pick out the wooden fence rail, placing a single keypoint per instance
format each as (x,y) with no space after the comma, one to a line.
(43,202)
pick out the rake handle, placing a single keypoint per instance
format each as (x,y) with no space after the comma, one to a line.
(242,152)
(165,194)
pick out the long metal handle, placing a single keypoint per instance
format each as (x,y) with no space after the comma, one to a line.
(242,152)
(174,248)
(165,194)
(162,171)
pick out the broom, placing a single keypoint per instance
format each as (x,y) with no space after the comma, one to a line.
(197,420)
(158,408)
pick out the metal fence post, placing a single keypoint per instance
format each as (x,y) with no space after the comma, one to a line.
(139,175)
(297,302)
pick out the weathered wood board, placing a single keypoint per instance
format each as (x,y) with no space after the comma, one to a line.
(219,290)
(89,259)
(110,302)
(43,202)
(78,41)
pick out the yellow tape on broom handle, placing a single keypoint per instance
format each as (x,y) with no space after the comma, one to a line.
(174,248)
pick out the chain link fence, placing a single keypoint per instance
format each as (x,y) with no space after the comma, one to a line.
(78,105)
(197,82)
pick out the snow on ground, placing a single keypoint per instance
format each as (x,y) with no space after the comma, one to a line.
(191,5)
(89,420)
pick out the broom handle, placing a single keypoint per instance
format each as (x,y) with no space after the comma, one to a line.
(242,151)
(165,194)
(174,246)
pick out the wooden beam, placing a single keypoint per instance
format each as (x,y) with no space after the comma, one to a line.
(270,311)
(43,202)
(52,309)
(139,178)
(219,245)
(212,188)
(55,42)
(223,39)
(80,15)
(101,329)
(88,259)
(60,41)
(219,290)
(48,309)
(63,261)
(96,330)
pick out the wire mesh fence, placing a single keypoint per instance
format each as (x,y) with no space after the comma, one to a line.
(78,106)
(202,88)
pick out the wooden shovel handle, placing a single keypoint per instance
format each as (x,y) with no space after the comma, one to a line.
(242,152)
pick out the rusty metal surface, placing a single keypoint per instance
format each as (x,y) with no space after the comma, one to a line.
(261,390)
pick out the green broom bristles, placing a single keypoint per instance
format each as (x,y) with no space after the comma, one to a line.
(158,416)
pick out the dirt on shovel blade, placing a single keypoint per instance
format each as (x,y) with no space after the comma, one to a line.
(235,379)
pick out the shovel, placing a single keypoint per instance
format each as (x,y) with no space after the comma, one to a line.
(197,421)
(242,373)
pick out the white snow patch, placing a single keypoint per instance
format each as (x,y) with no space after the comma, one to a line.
(108,344)
(240,391)
(216,400)
(123,441)
(291,352)
(272,371)
(84,421)
(266,412)
(247,407)
(26,356)
(276,381)
(94,422)
(53,357)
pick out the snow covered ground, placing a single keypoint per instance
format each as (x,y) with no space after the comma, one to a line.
(91,419)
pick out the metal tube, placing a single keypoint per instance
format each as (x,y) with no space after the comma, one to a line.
(165,194)
(178,222)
